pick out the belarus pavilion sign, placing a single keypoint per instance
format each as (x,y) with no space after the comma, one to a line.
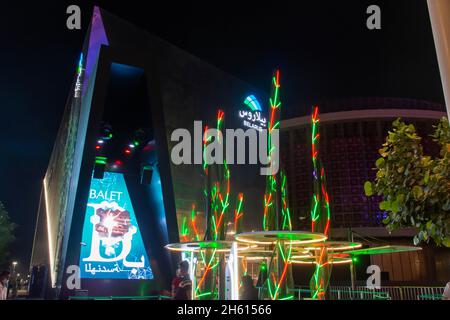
(251,114)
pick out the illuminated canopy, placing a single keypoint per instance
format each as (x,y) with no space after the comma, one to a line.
(220,246)
(332,259)
(335,245)
(383,250)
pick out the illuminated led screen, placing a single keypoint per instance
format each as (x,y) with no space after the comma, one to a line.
(112,246)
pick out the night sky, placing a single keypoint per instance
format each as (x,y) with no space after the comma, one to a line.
(323,50)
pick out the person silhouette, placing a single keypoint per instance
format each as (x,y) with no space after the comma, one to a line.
(248,290)
(182,284)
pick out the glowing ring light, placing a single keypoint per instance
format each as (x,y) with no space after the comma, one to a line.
(301,256)
(255,252)
(255,257)
(335,246)
(261,254)
(268,249)
(271,237)
(220,246)
(383,250)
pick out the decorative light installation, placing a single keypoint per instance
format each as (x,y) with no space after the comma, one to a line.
(188,228)
(238,214)
(217,198)
(286,223)
(270,202)
(194,223)
(209,252)
(320,213)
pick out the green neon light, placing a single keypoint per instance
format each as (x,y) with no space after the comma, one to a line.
(291,297)
(207,270)
(270,288)
(281,251)
(101,160)
(203,294)
(184,228)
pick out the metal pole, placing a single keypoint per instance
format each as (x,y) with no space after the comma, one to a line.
(192,275)
(439,11)
(222,276)
(352,276)
(352,266)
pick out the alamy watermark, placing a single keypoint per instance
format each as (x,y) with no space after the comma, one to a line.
(373,22)
(222,147)
(73,21)
(374,280)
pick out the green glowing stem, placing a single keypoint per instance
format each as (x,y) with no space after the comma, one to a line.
(291,297)
(184,228)
(281,251)
(203,294)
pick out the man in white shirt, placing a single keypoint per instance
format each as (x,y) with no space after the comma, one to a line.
(4,279)
(446,294)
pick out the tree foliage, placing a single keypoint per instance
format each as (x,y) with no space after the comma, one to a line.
(7,228)
(415,187)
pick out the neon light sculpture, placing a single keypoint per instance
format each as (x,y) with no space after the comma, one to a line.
(218,192)
(217,197)
(184,232)
(320,213)
(209,252)
(270,197)
(276,210)
(194,223)
(238,214)
(188,228)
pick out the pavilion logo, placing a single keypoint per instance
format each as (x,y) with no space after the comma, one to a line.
(230,148)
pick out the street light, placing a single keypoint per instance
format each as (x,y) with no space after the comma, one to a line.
(14,264)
